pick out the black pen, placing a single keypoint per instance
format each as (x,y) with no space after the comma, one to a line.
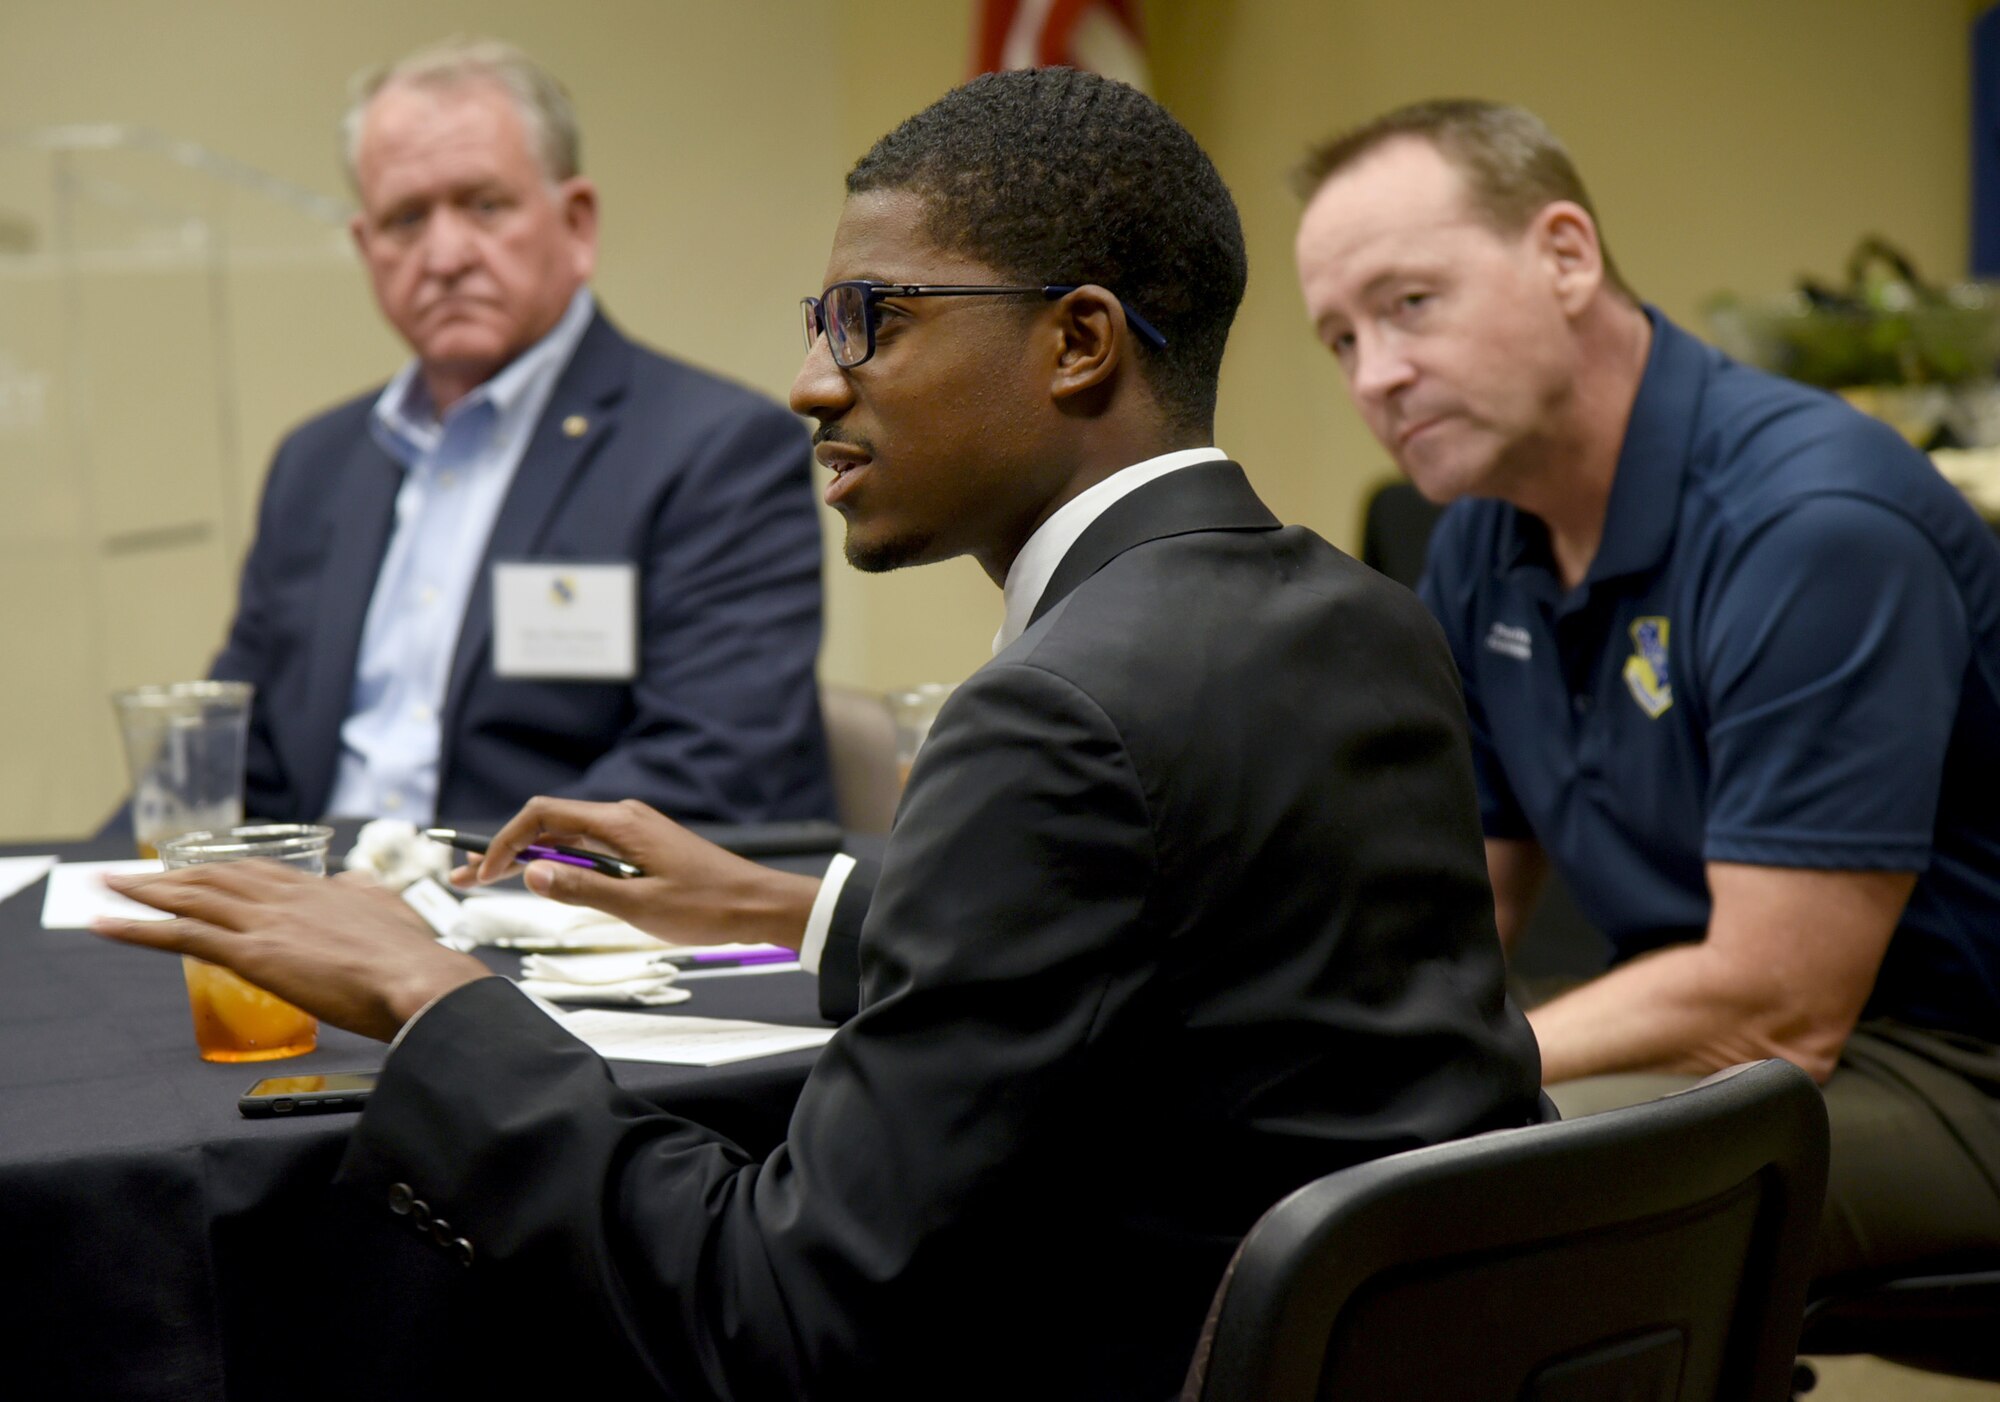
(537,852)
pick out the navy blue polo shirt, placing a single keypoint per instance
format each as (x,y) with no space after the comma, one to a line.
(1785,653)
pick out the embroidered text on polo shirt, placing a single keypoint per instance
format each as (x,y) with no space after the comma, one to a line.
(1509,641)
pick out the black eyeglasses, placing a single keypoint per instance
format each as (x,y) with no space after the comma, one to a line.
(845,312)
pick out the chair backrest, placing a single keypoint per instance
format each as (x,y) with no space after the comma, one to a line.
(1396,527)
(1648,1254)
(861,740)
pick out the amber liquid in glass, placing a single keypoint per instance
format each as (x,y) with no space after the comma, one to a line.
(238,1021)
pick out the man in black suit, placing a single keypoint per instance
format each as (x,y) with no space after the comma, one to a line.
(1184,906)
(531,475)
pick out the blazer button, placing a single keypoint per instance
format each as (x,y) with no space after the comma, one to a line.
(400,1198)
(420,1214)
(461,1251)
(441,1231)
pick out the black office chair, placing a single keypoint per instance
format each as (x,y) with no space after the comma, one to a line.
(1396,524)
(1648,1254)
(1559,946)
(1941,1323)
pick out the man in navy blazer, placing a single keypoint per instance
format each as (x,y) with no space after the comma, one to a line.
(526,429)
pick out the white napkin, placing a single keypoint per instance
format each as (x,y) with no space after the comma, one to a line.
(509,920)
(394,853)
(641,977)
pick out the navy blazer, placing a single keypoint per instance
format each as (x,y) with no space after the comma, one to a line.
(704,485)
(1184,907)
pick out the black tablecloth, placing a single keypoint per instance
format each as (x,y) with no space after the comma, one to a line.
(154,1244)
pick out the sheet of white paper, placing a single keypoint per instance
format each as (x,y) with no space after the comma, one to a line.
(686,1041)
(19,873)
(77,894)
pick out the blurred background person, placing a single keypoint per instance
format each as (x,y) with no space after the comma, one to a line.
(1731,654)
(543,559)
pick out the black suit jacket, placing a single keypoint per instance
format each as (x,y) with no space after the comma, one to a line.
(703,485)
(1185,906)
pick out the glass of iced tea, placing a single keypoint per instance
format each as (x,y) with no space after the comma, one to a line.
(234,1020)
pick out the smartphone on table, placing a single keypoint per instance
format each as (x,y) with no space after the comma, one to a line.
(324,1093)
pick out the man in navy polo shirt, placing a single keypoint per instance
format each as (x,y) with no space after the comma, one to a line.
(1731,654)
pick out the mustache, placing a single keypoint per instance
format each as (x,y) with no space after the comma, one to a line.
(831,433)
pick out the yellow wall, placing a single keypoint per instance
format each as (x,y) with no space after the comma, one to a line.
(1727,144)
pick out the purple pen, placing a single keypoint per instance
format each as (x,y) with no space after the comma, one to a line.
(760,956)
(538,852)
(535,852)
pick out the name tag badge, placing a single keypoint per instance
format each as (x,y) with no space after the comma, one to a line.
(566,622)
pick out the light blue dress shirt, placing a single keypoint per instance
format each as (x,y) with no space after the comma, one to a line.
(456,471)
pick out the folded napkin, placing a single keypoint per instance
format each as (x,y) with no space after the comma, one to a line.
(394,853)
(641,977)
(509,920)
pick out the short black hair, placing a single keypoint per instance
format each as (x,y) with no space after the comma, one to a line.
(1053,175)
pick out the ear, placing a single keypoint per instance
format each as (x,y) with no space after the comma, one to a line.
(577,200)
(357,229)
(1566,238)
(1090,337)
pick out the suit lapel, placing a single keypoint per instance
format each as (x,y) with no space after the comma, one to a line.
(580,416)
(369,481)
(1210,496)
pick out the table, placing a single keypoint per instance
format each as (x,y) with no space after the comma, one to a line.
(156,1245)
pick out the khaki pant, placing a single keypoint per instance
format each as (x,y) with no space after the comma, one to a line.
(1913,1180)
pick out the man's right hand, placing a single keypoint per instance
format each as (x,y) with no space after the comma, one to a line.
(345,951)
(693,892)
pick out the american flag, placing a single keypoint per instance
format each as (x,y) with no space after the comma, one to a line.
(1100,35)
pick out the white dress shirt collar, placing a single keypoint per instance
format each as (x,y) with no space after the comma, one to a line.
(1035,566)
(407,426)
(1027,578)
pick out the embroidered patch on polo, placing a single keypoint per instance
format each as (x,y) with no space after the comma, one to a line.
(1646,669)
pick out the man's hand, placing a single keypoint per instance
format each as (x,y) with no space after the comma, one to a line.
(348,952)
(693,892)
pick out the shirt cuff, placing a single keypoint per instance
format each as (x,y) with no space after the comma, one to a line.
(821,920)
(404,1030)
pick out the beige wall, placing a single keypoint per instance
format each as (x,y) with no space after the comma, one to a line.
(933,624)
(1727,144)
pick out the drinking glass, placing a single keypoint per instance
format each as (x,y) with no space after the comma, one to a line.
(234,1020)
(184,751)
(914,708)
